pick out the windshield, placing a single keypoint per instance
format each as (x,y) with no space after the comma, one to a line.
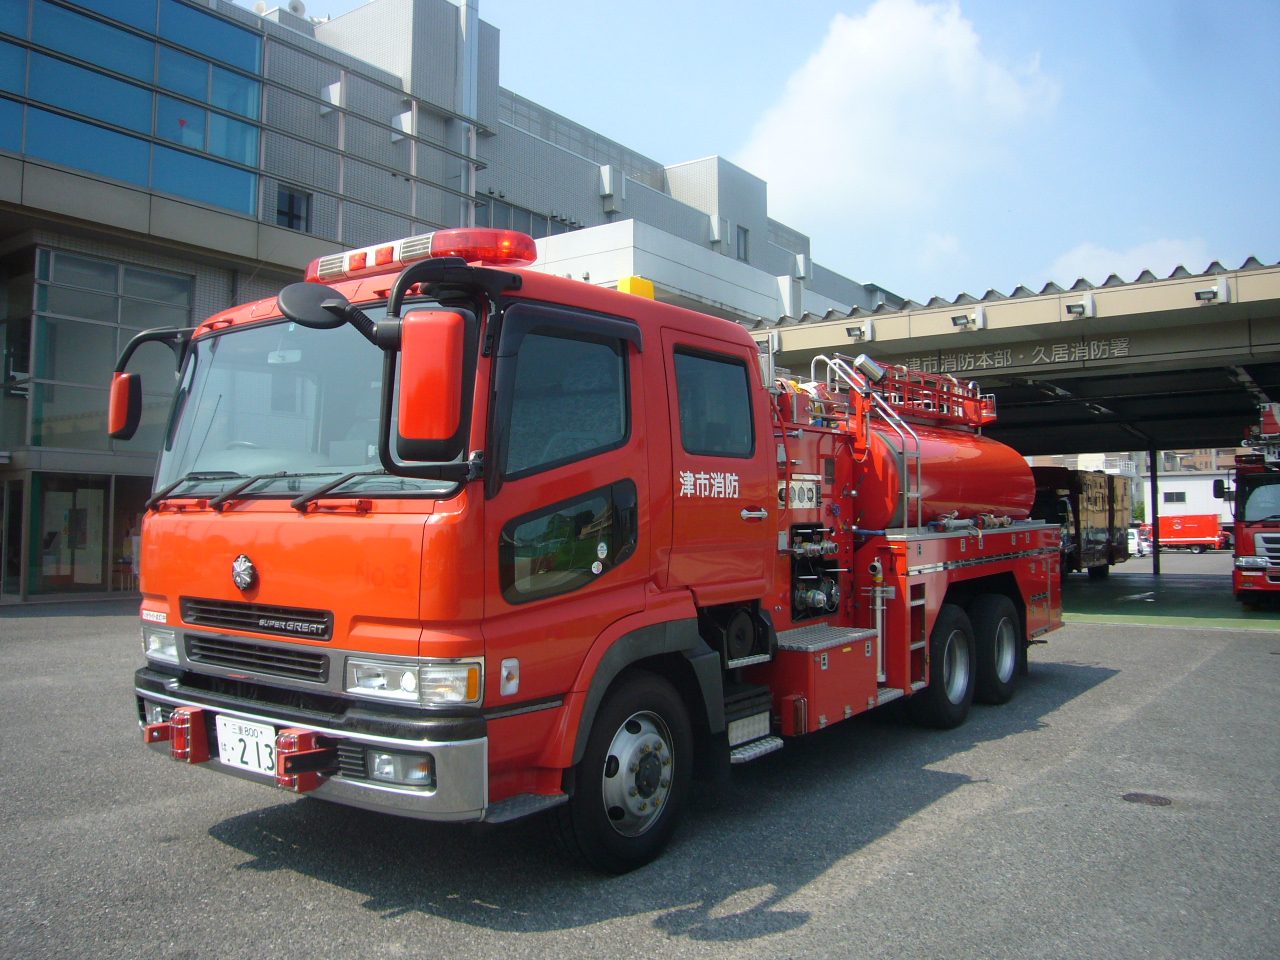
(296,407)
(1258,499)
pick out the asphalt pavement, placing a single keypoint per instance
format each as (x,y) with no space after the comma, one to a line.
(1009,837)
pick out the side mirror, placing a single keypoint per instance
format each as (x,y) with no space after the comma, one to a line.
(431,361)
(1220,489)
(313,305)
(125,410)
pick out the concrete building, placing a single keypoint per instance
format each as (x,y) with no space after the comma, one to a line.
(163,159)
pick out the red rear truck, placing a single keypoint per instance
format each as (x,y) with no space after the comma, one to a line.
(1256,533)
(443,537)
(1196,532)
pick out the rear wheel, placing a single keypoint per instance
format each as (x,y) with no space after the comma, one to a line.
(1197,548)
(1100,572)
(944,703)
(629,788)
(996,637)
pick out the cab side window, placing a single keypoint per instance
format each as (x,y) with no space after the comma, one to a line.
(715,405)
(569,400)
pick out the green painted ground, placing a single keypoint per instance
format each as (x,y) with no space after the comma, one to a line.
(1172,599)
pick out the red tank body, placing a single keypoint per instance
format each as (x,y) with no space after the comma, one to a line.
(964,474)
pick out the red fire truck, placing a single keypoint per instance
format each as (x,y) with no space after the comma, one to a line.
(443,537)
(1256,577)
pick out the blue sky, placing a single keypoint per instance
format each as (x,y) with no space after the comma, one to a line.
(940,147)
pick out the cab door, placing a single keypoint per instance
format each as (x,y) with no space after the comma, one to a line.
(566,520)
(724,495)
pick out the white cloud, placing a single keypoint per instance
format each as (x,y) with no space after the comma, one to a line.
(894,109)
(1096,263)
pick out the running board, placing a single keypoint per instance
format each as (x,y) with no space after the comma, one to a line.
(887,695)
(755,749)
(522,805)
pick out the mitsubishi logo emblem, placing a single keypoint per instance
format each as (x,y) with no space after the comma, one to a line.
(243,572)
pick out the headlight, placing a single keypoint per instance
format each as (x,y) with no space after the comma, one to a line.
(434,682)
(160,643)
(1252,563)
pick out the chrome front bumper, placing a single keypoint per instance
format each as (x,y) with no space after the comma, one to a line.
(461,788)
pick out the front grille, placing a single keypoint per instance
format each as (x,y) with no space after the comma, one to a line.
(296,664)
(351,760)
(258,618)
(1267,545)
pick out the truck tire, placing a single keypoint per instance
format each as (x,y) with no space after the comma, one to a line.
(944,703)
(1197,548)
(627,792)
(996,636)
(1100,572)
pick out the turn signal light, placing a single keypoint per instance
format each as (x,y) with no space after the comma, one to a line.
(188,735)
(302,762)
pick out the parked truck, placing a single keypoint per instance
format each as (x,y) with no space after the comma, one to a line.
(1256,495)
(1196,532)
(443,537)
(1093,509)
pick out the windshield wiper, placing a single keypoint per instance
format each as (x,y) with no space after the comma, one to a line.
(1271,519)
(193,478)
(300,504)
(218,502)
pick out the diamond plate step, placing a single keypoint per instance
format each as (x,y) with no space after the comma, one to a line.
(755,749)
(521,805)
(821,636)
(887,695)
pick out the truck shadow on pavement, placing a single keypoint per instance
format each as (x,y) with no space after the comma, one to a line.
(743,849)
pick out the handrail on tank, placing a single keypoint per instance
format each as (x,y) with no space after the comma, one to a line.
(854,380)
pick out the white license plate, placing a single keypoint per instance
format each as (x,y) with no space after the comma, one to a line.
(247,746)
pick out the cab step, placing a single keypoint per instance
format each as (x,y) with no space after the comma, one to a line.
(755,749)
(522,805)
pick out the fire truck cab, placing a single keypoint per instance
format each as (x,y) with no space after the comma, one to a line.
(443,537)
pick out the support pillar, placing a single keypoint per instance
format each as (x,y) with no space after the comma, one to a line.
(1154,456)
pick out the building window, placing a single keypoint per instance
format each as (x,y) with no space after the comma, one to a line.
(1175,496)
(744,236)
(293,209)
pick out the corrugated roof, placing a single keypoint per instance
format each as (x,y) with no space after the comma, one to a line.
(964,299)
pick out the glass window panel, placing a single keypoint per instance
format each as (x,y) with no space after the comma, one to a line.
(10,125)
(74,352)
(569,545)
(84,272)
(72,417)
(569,400)
(136,13)
(86,147)
(715,406)
(233,92)
(539,227)
(233,140)
(93,41)
(181,122)
(76,303)
(482,215)
(521,220)
(155,363)
(204,180)
(13,68)
(68,532)
(144,316)
(93,94)
(210,35)
(151,285)
(150,435)
(185,75)
(42,263)
(13,18)
(499,215)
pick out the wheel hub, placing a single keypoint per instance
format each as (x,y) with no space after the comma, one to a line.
(637,773)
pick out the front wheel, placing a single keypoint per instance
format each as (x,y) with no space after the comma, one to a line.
(1100,572)
(629,788)
(944,703)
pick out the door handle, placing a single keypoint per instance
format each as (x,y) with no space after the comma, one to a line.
(756,514)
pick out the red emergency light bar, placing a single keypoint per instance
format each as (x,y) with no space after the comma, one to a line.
(481,245)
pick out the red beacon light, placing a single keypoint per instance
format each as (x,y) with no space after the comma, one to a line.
(476,245)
